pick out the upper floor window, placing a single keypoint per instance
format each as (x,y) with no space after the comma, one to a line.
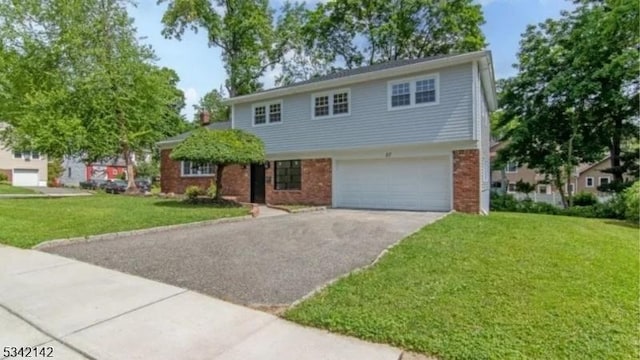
(512,167)
(189,168)
(418,91)
(604,180)
(26,155)
(589,181)
(334,103)
(270,113)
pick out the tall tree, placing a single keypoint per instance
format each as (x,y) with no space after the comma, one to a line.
(82,84)
(242,29)
(211,102)
(351,33)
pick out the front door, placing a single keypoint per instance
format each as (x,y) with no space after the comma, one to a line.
(257,183)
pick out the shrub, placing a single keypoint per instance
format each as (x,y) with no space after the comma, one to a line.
(503,202)
(3,177)
(211,191)
(631,199)
(192,192)
(584,199)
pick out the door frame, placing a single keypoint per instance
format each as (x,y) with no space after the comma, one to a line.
(252,188)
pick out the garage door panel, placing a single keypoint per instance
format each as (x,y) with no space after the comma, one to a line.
(409,184)
(25,177)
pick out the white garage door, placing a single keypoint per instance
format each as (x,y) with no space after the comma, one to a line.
(402,184)
(25,177)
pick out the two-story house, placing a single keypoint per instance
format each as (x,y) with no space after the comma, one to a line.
(23,168)
(407,134)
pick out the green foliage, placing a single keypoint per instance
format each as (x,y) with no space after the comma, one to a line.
(54,171)
(612,209)
(122,176)
(212,190)
(632,202)
(503,286)
(584,199)
(220,147)
(351,33)
(212,103)
(147,169)
(88,87)
(524,187)
(576,91)
(242,30)
(192,192)
(3,177)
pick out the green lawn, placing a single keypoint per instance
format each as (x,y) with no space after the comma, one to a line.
(27,222)
(506,286)
(8,189)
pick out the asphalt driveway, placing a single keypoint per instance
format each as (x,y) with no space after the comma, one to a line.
(270,261)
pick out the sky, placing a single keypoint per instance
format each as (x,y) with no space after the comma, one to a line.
(200,67)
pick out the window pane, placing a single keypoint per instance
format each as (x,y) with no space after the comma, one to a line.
(321,106)
(17,154)
(340,103)
(35,155)
(275,114)
(287,175)
(400,100)
(259,116)
(186,168)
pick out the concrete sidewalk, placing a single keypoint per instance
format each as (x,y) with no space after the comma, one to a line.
(85,311)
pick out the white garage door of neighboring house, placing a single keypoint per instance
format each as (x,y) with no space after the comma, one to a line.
(402,184)
(25,177)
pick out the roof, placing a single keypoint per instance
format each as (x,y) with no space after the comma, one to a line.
(380,71)
(218,125)
(584,167)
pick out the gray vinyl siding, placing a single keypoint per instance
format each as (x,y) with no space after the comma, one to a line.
(485,156)
(370,123)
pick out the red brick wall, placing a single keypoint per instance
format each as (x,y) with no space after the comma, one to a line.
(316,185)
(9,174)
(466,181)
(235,179)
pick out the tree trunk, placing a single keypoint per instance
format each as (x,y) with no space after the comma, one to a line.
(219,170)
(557,181)
(615,150)
(131,186)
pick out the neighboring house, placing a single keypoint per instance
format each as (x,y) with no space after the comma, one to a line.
(587,177)
(23,168)
(407,134)
(76,171)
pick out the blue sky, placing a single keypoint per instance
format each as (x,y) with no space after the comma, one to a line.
(200,67)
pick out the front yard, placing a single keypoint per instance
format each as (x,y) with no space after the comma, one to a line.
(513,286)
(8,189)
(27,222)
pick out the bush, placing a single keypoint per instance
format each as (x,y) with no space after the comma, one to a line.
(503,202)
(3,177)
(631,199)
(211,191)
(584,199)
(192,192)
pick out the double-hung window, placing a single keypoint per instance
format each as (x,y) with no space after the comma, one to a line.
(288,175)
(589,181)
(330,104)
(511,168)
(419,91)
(192,169)
(270,113)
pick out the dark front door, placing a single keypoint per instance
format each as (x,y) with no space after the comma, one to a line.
(257,183)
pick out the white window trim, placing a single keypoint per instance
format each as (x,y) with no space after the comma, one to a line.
(514,188)
(266,112)
(182,174)
(586,182)
(546,188)
(330,95)
(412,91)
(506,168)
(603,177)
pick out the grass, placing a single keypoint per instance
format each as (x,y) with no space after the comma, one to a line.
(505,286)
(8,189)
(27,222)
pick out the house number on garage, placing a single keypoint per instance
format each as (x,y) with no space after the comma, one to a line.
(387,155)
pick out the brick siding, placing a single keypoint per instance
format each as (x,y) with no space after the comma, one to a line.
(315,186)
(235,179)
(466,181)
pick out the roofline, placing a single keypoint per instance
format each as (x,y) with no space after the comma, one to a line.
(486,72)
(594,165)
